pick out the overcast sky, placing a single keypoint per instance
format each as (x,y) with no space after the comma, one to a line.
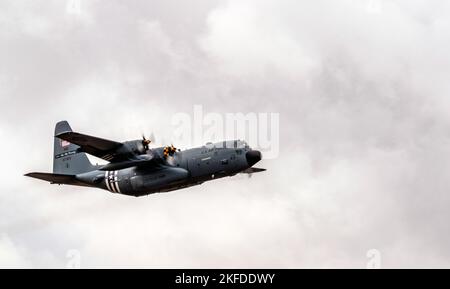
(362,89)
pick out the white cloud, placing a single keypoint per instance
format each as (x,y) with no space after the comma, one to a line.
(12,256)
(248,41)
(362,97)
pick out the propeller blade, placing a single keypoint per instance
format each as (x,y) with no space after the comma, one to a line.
(169,151)
(152,138)
(145,142)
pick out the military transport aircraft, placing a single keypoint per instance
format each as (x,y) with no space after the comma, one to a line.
(135,169)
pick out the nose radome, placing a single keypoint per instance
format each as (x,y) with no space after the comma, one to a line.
(253,157)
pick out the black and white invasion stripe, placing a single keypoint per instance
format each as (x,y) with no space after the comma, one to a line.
(112,182)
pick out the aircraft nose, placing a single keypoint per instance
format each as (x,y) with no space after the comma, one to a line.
(253,157)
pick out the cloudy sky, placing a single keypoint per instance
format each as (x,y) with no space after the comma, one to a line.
(361,87)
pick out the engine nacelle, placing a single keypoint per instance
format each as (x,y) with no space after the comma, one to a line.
(159,180)
(134,147)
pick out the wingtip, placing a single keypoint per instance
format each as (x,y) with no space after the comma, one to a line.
(30,175)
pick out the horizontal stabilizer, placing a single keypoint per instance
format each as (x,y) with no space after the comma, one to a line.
(253,170)
(57,178)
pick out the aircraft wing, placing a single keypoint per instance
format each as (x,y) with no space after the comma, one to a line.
(95,146)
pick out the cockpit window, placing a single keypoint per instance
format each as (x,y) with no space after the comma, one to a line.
(242,144)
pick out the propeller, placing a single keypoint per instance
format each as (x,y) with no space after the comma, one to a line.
(146,142)
(169,151)
(152,138)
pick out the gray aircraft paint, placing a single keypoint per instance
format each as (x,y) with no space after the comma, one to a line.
(141,172)
(64,151)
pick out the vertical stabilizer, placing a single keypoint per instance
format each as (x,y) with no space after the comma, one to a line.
(67,157)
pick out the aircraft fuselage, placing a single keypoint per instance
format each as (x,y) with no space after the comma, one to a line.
(187,168)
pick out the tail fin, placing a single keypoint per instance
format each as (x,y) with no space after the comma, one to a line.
(68,159)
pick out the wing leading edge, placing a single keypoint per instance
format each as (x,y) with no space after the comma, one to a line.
(95,146)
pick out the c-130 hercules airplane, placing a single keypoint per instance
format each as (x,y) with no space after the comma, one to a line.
(135,169)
